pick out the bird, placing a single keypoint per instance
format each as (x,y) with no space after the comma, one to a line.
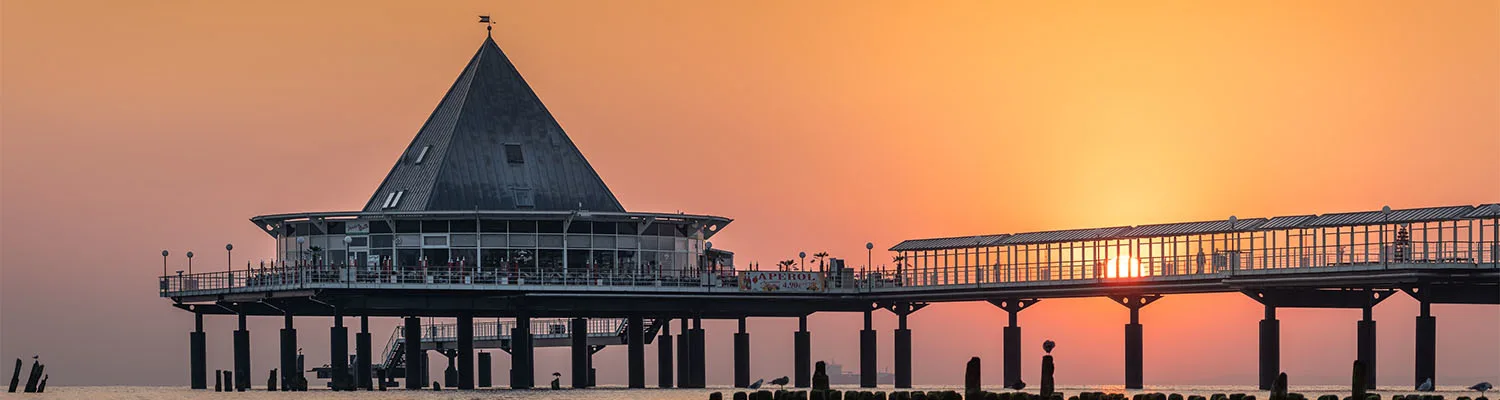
(1482,387)
(757,383)
(782,381)
(1425,386)
(1048,346)
(1020,384)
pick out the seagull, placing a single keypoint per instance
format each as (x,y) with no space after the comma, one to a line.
(757,383)
(1482,387)
(782,381)
(1048,345)
(1425,386)
(1018,385)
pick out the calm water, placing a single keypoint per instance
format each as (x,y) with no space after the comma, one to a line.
(171,393)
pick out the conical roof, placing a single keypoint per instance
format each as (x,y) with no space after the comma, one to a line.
(492,145)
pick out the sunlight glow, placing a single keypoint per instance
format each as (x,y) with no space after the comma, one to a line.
(1123,266)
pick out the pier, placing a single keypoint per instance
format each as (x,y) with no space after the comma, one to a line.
(492,217)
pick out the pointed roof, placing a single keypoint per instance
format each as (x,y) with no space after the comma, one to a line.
(492,145)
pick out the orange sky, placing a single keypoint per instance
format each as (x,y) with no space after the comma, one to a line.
(128,127)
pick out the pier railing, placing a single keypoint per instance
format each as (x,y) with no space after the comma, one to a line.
(1086,261)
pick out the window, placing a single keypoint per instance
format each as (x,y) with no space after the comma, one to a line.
(524,198)
(391,200)
(513,154)
(423,155)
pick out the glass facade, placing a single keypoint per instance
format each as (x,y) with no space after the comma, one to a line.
(528,246)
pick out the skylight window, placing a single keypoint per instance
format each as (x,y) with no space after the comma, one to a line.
(524,197)
(513,154)
(393,199)
(423,155)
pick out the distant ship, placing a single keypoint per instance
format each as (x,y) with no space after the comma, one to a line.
(837,376)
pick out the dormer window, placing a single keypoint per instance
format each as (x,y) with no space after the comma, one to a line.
(513,154)
(393,199)
(423,155)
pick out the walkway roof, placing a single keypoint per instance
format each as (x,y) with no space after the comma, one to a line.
(1414,215)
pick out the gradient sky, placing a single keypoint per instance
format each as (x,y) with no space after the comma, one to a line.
(129,127)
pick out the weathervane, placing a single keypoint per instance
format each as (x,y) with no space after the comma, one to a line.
(489,26)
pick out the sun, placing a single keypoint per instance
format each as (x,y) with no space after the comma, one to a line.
(1123,266)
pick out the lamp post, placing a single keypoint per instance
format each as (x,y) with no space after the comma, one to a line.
(190,262)
(348,255)
(869,254)
(229,252)
(802,264)
(709,257)
(163,263)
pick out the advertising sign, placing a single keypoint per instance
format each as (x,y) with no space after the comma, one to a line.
(357,227)
(781,281)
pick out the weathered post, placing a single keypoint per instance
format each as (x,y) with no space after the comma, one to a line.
(31,379)
(1278,388)
(820,377)
(42,387)
(1047,382)
(271,381)
(218,380)
(15,377)
(971,377)
(1359,387)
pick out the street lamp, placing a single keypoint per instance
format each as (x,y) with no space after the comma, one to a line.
(190,262)
(163,263)
(803,263)
(347,253)
(229,250)
(869,255)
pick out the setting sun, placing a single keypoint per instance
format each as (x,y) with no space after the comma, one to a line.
(1123,266)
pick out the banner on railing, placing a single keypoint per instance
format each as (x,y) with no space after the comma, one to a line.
(781,281)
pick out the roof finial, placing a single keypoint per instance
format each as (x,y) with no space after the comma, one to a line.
(489,26)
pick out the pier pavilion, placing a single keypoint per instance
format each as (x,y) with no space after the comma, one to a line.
(492,212)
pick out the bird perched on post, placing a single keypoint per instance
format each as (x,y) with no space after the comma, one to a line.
(1482,387)
(1048,346)
(782,381)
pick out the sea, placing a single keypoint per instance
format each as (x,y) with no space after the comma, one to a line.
(610,393)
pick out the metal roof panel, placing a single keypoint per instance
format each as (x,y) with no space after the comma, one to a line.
(1063,236)
(1395,216)
(1194,228)
(947,243)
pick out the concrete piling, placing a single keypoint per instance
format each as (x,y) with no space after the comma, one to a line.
(802,355)
(664,354)
(1047,382)
(42,387)
(362,354)
(971,376)
(218,380)
(271,381)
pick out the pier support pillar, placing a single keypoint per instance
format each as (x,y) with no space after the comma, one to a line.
(242,356)
(289,368)
(466,352)
(522,376)
(338,352)
(664,354)
(1270,349)
(198,354)
(802,355)
(1426,362)
(903,354)
(635,338)
(903,341)
(580,335)
(867,352)
(742,357)
(699,355)
(485,375)
(1134,347)
(1366,345)
(684,356)
(362,374)
(412,344)
(1011,339)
